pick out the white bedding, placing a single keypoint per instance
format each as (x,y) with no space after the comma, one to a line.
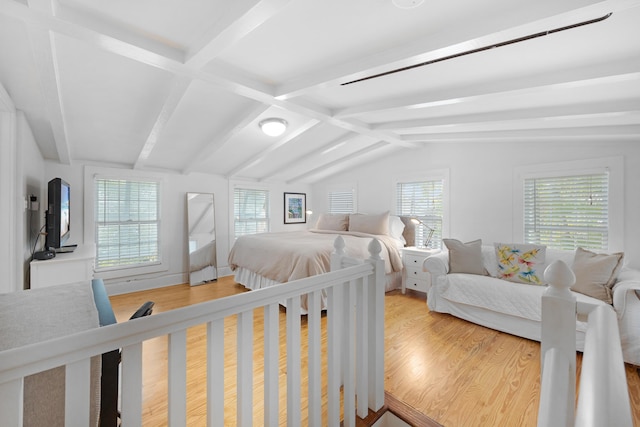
(203,257)
(286,256)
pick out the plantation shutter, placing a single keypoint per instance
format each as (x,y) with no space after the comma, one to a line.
(127,223)
(341,202)
(424,201)
(251,211)
(567,212)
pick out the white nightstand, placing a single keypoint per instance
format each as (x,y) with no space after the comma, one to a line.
(413,277)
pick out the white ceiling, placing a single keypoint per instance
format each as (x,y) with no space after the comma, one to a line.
(181,85)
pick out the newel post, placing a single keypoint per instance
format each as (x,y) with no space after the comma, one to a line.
(376,328)
(559,325)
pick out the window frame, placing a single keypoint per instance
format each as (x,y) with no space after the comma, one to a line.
(613,165)
(90,231)
(432,175)
(232,214)
(343,188)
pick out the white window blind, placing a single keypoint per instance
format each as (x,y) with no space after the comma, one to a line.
(424,201)
(251,211)
(567,212)
(341,202)
(127,223)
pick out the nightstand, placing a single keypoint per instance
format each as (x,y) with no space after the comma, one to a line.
(413,277)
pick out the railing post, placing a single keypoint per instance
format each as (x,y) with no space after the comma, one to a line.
(559,327)
(376,328)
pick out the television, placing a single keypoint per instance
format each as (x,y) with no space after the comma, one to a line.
(58,216)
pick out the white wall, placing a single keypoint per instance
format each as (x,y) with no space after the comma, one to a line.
(482,183)
(21,174)
(32,183)
(174,219)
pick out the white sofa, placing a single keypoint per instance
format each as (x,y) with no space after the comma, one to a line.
(515,308)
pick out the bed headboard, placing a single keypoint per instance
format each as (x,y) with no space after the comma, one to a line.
(409,232)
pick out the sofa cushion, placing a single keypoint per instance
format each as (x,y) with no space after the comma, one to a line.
(520,263)
(465,257)
(596,273)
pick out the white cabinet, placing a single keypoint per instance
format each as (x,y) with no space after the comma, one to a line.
(72,267)
(413,277)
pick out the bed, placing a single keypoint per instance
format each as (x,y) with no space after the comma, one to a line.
(269,259)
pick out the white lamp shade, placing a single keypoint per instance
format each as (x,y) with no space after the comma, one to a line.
(273,126)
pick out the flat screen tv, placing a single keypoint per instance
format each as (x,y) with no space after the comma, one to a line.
(58,217)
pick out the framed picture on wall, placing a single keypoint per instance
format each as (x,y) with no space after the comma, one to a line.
(295,208)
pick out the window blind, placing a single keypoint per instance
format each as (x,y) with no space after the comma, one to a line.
(567,212)
(251,211)
(127,223)
(424,201)
(341,202)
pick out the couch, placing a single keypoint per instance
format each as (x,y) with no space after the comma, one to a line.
(484,291)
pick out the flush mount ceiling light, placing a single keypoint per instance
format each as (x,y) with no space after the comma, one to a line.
(407,4)
(273,126)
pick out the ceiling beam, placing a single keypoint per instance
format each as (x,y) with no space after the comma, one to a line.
(46,59)
(336,143)
(287,138)
(240,85)
(565,112)
(550,82)
(179,87)
(211,145)
(111,29)
(240,19)
(378,145)
(555,133)
(460,38)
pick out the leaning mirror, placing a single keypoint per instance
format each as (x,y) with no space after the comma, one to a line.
(202,238)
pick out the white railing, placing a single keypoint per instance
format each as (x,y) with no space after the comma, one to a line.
(355,332)
(603,398)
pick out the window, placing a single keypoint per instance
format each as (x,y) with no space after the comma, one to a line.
(127,223)
(341,201)
(251,211)
(423,200)
(567,212)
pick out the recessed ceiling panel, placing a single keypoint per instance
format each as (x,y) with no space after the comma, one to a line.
(204,114)
(110,102)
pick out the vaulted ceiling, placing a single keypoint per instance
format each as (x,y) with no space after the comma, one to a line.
(182,85)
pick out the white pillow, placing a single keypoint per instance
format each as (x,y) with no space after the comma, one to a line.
(396,228)
(371,224)
(335,222)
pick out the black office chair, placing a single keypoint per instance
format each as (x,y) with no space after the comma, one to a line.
(109,413)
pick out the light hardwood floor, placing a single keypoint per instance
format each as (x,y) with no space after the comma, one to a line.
(453,371)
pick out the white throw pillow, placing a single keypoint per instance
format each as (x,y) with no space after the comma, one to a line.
(396,228)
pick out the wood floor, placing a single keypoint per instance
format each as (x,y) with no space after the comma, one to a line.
(455,372)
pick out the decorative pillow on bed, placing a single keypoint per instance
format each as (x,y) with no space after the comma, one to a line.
(396,228)
(465,257)
(521,263)
(335,222)
(372,224)
(596,273)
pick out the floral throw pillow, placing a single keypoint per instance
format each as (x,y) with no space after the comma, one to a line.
(521,263)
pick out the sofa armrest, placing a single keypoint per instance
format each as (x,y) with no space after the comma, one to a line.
(627,286)
(437,264)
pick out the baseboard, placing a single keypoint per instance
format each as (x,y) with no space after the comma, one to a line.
(129,285)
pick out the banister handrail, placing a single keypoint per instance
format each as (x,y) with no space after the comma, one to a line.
(603,399)
(359,283)
(29,359)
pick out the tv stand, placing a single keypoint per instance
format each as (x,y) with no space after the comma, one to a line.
(66,249)
(65,268)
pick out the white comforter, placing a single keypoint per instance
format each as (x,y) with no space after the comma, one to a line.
(286,256)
